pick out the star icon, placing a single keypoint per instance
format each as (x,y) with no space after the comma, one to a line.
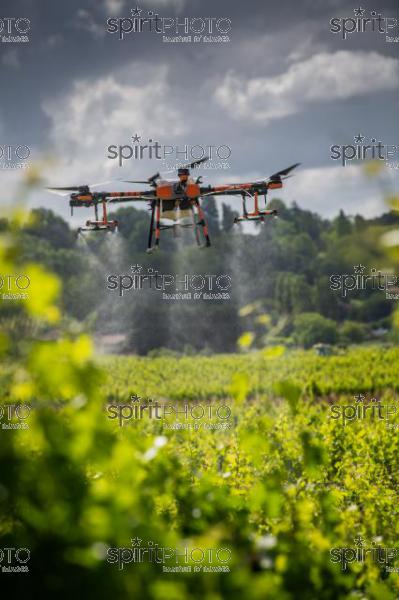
(136,268)
(359,397)
(358,11)
(135,398)
(136,138)
(359,138)
(136,11)
(359,269)
(359,541)
(136,541)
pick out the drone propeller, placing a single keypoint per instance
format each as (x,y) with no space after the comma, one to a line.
(97,184)
(135,181)
(195,163)
(59,190)
(150,181)
(67,189)
(284,173)
(83,189)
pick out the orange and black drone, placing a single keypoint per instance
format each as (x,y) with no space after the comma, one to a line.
(176,203)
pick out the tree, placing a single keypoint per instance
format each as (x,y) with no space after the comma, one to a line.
(352,332)
(292,293)
(342,224)
(311,328)
(46,225)
(360,223)
(211,214)
(280,207)
(325,302)
(228,216)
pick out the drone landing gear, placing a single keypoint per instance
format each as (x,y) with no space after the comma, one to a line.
(155,216)
(257,214)
(156,227)
(100,224)
(260,217)
(196,229)
(150,233)
(203,224)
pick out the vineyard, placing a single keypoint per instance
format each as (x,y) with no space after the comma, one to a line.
(276,493)
(368,369)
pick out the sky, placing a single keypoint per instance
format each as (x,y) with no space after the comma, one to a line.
(281,88)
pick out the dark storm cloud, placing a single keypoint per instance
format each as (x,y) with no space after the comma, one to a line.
(69,47)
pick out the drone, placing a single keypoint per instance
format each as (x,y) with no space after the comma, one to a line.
(175,203)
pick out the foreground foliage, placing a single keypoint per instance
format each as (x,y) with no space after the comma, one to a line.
(280,488)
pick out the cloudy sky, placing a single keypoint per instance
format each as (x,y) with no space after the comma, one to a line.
(283,89)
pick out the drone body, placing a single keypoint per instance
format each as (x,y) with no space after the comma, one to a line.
(175,204)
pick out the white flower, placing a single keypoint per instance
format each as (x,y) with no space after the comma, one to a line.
(266,542)
(160,441)
(99,550)
(150,454)
(266,563)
